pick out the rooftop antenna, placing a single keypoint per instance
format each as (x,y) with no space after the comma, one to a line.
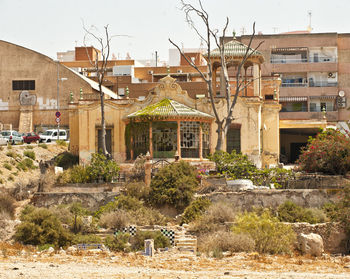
(275,29)
(243,30)
(309,14)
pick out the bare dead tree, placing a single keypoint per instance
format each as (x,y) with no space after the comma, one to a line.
(100,67)
(213,34)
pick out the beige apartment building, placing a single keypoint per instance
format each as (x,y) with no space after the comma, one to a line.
(315,89)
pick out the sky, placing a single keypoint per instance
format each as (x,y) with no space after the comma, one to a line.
(142,27)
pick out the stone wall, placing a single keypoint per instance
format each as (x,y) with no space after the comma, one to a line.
(335,240)
(317,181)
(273,198)
(91,200)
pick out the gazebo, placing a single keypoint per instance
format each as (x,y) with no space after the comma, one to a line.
(167,128)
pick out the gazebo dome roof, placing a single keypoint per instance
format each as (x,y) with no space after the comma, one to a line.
(235,49)
(168,108)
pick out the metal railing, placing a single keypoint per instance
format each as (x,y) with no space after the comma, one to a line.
(322,83)
(313,59)
(294,84)
(287,60)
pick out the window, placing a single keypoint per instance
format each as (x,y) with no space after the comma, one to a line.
(23,85)
(294,106)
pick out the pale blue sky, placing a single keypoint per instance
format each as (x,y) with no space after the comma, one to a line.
(49,26)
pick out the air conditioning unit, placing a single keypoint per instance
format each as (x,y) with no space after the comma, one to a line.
(179,71)
(150,72)
(331,75)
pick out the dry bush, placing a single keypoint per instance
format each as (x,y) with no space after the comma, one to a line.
(23,190)
(7,205)
(216,215)
(115,220)
(137,189)
(221,241)
(148,216)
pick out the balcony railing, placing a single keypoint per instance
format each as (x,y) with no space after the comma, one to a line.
(313,59)
(322,83)
(294,84)
(323,59)
(288,60)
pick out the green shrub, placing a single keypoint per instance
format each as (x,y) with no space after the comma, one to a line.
(195,209)
(13,154)
(136,212)
(137,189)
(174,185)
(30,154)
(7,166)
(102,168)
(10,178)
(340,211)
(76,174)
(7,205)
(235,165)
(138,241)
(292,213)
(86,239)
(328,152)
(270,235)
(221,241)
(43,145)
(118,243)
(66,160)
(29,147)
(39,226)
(25,164)
(238,166)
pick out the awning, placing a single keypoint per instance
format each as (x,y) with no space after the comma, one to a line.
(327,97)
(293,99)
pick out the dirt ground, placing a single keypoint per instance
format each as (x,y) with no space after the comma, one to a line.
(24,176)
(168,265)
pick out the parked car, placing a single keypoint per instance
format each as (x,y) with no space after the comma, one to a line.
(31,137)
(12,136)
(51,135)
(3,141)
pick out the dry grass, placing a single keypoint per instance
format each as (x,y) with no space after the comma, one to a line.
(115,220)
(221,241)
(214,218)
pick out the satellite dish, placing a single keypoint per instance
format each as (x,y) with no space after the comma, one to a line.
(341,93)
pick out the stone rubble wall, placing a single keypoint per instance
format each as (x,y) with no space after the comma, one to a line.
(273,198)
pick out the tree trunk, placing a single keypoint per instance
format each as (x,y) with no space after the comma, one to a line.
(103,124)
(220,141)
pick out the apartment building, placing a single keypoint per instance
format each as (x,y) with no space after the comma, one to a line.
(315,73)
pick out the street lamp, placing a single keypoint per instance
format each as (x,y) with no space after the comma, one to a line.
(58,114)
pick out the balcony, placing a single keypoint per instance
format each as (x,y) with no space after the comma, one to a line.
(294,84)
(323,59)
(330,115)
(322,83)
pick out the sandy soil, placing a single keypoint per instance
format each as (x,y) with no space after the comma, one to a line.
(21,176)
(170,265)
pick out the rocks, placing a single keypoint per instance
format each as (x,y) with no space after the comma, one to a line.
(240,185)
(71,250)
(311,244)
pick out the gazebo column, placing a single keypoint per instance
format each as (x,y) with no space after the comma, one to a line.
(178,139)
(200,142)
(150,140)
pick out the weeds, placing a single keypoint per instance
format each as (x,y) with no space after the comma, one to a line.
(29,154)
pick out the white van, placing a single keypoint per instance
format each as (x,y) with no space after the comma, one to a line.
(51,135)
